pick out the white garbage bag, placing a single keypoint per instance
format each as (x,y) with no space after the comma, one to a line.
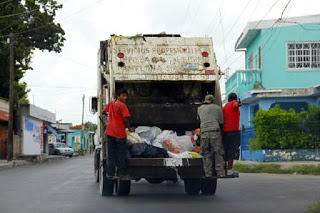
(164,135)
(148,133)
(179,144)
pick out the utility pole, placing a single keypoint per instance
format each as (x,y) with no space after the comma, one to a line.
(11,98)
(82,123)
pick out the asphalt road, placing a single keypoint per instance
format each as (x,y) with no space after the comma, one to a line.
(68,186)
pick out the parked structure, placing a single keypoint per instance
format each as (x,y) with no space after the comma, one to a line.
(282,61)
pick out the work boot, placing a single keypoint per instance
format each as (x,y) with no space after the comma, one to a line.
(221,173)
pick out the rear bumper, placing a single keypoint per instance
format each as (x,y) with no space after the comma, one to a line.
(165,168)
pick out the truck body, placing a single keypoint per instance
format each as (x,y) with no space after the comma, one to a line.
(167,77)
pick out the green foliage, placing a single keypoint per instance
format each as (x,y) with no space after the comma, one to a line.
(280,129)
(276,169)
(314,208)
(32,24)
(90,126)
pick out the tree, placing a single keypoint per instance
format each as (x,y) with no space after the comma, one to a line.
(32,24)
(90,126)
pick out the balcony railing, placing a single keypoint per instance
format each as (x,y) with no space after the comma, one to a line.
(244,80)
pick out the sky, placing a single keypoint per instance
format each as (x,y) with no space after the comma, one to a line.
(59,81)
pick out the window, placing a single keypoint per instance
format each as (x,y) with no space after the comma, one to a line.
(304,55)
(251,61)
(260,58)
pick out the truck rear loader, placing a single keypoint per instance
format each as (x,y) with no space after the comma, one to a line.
(167,77)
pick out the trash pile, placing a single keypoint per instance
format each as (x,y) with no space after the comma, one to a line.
(152,142)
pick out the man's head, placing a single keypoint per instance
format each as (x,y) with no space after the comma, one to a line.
(122,95)
(209,99)
(232,97)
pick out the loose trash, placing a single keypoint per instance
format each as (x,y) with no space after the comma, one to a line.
(184,155)
(133,138)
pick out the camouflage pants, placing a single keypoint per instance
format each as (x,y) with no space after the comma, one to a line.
(212,152)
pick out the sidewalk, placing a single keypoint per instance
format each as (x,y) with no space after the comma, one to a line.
(283,164)
(4,164)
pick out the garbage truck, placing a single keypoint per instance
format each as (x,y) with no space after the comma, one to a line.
(167,77)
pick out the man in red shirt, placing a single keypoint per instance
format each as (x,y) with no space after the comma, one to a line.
(116,134)
(231,131)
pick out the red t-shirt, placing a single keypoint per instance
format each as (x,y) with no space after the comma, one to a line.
(117,112)
(231,115)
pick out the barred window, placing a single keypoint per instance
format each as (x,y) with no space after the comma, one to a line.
(304,55)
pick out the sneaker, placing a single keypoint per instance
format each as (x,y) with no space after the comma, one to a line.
(231,172)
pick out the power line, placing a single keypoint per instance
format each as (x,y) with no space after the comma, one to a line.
(30,30)
(185,17)
(16,14)
(5,2)
(232,27)
(257,24)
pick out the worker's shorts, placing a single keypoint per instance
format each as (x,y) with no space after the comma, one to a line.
(231,144)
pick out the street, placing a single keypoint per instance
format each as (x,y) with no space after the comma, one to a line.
(68,186)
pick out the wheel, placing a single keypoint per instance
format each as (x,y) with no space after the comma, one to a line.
(209,186)
(96,166)
(70,156)
(154,180)
(106,185)
(123,187)
(57,152)
(192,186)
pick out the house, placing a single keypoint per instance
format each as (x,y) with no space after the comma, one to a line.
(282,66)
(78,139)
(4,119)
(34,124)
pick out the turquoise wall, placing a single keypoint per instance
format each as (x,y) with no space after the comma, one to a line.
(84,144)
(275,74)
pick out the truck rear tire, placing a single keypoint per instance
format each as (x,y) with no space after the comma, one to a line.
(123,187)
(96,166)
(209,186)
(106,185)
(154,180)
(192,186)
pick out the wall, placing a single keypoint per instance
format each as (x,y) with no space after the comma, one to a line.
(274,56)
(32,135)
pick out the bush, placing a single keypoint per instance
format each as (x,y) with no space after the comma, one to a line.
(314,208)
(280,129)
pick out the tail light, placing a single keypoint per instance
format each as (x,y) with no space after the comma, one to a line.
(120,55)
(205,54)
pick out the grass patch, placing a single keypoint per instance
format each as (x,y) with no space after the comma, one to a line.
(314,208)
(276,169)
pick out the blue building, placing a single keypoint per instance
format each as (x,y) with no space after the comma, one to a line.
(282,66)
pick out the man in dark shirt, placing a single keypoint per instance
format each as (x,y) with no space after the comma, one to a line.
(116,133)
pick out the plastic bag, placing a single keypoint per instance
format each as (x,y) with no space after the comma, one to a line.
(143,150)
(184,155)
(164,135)
(133,138)
(179,144)
(148,133)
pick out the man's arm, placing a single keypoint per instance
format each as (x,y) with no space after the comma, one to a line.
(127,123)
